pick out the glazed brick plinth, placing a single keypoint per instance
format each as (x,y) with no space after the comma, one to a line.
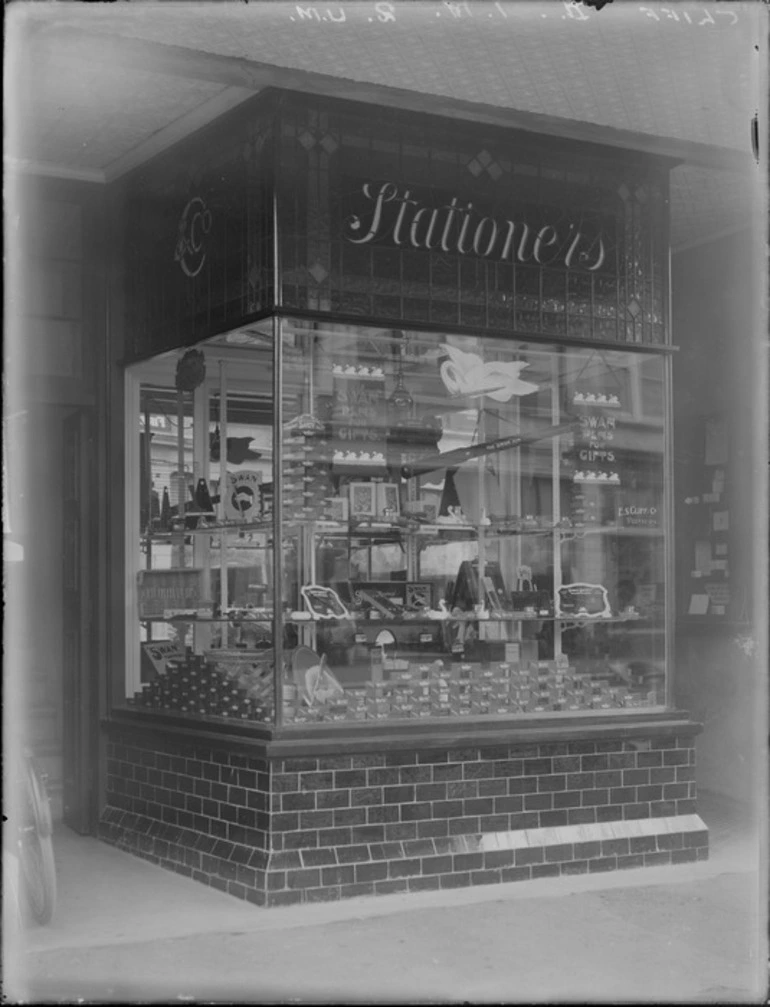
(305,828)
(196,809)
(370,823)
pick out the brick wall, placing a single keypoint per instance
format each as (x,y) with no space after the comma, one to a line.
(195,809)
(319,829)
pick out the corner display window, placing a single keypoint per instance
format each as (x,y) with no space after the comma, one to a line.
(199,621)
(470,527)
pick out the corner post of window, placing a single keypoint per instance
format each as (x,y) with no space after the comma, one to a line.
(277,521)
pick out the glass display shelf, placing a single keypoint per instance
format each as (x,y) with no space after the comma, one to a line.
(166,535)
(467,617)
(406,526)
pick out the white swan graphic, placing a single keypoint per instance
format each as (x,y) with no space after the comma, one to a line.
(467,374)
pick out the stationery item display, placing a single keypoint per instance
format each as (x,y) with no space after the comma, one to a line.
(242,496)
(468,592)
(170,592)
(337,508)
(363,499)
(421,510)
(411,690)
(387,500)
(324,602)
(312,677)
(383,599)
(157,654)
(202,504)
(583,600)
(528,599)
(222,685)
(165,511)
(418,597)
(306,479)
(429,463)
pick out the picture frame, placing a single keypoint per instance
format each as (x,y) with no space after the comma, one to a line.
(418,596)
(363,499)
(387,500)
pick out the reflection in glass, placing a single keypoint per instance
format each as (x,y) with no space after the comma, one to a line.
(199,631)
(488,514)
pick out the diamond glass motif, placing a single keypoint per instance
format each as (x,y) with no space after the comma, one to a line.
(318,272)
(485,162)
(307,140)
(329,144)
(634,308)
(623,192)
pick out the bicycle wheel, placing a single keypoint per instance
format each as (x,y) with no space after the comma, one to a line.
(36,861)
(38,798)
(38,875)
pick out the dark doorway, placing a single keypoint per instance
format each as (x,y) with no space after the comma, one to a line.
(80,754)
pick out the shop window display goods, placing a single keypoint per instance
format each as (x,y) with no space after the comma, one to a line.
(454,533)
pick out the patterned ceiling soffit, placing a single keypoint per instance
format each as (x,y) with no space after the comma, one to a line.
(96,105)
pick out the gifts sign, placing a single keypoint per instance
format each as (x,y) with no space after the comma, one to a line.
(358,413)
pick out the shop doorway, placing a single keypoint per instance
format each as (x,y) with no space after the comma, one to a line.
(79,686)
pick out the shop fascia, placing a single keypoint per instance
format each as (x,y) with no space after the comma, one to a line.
(457,227)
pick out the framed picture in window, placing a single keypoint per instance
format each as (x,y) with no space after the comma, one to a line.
(387,500)
(363,500)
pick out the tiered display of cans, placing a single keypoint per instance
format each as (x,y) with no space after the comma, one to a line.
(197,686)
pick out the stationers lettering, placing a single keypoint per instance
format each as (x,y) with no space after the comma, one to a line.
(459,227)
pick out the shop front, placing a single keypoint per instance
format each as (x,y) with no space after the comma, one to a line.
(391,524)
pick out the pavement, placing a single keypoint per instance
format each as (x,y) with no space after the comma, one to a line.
(128,931)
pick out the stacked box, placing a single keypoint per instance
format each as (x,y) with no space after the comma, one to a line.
(459,695)
(403,708)
(337,706)
(306,485)
(377,699)
(392,664)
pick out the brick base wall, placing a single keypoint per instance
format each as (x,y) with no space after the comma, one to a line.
(318,829)
(194,809)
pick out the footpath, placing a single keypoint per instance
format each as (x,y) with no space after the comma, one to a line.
(127,931)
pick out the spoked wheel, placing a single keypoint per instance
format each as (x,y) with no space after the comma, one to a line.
(36,861)
(38,877)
